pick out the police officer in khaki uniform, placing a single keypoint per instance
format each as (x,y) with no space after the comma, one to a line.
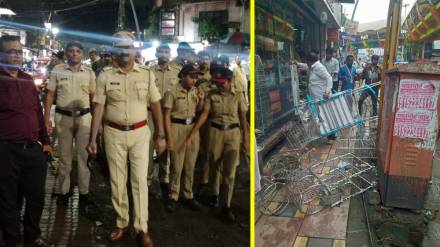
(166,77)
(74,86)
(239,78)
(184,55)
(122,96)
(227,112)
(181,105)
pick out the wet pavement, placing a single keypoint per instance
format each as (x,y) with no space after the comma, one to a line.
(78,226)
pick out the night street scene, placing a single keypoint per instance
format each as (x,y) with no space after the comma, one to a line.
(346,123)
(124,123)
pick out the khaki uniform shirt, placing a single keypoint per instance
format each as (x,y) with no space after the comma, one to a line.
(72,89)
(223,108)
(207,87)
(183,103)
(176,64)
(166,79)
(126,96)
(239,80)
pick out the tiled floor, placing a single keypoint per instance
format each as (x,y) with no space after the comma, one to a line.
(292,228)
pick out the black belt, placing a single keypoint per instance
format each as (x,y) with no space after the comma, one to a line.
(225,126)
(73,113)
(185,121)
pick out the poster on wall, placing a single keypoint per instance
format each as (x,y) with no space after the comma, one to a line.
(416,110)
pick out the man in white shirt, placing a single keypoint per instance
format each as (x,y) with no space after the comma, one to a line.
(332,66)
(320,81)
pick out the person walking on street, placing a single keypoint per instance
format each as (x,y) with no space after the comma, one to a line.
(371,74)
(23,144)
(181,105)
(122,95)
(74,85)
(227,112)
(166,78)
(320,81)
(332,66)
(347,74)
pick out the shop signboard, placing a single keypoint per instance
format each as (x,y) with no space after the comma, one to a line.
(333,35)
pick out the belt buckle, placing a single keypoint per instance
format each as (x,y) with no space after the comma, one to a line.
(127,127)
(188,121)
(226,126)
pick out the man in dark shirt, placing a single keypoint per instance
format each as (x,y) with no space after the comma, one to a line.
(371,74)
(23,142)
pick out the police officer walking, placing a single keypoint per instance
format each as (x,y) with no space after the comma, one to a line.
(73,84)
(181,105)
(123,93)
(227,112)
(166,77)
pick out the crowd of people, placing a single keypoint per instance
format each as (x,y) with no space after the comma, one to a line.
(328,76)
(190,111)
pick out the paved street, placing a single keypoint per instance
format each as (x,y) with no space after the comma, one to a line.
(72,226)
(340,226)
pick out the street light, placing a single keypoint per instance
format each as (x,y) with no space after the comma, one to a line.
(55,30)
(155,43)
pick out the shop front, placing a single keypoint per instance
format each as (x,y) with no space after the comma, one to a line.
(285,31)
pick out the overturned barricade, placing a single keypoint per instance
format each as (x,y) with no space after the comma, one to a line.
(293,176)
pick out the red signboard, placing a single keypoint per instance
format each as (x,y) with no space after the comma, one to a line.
(332,34)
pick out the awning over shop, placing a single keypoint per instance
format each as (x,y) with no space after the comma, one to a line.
(423,21)
(364,44)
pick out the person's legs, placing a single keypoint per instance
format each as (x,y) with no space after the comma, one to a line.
(215,156)
(231,158)
(139,145)
(116,148)
(34,181)
(191,153)
(81,140)
(177,161)
(9,179)
(64,127)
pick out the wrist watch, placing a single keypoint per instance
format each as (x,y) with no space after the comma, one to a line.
(161,136)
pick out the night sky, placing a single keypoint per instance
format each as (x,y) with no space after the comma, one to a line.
(98,18)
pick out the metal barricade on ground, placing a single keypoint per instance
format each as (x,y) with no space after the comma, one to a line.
(291,176)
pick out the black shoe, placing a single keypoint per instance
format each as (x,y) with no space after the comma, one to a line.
(193,204)
(203,188)
(211,201)
(227,215)
(63,200)
(171,205)
(84,200)
(165,188)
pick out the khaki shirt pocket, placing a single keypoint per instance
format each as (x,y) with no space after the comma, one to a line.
(63,86)
(114,92)
(85,87)
(142,91)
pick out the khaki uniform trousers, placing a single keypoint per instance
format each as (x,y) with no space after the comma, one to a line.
(203,160)
(68,129)
(164,164)
(135,145)
(224,156)
(184,159)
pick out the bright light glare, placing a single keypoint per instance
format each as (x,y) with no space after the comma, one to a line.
(38,82)
(55,30)
(155,43)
